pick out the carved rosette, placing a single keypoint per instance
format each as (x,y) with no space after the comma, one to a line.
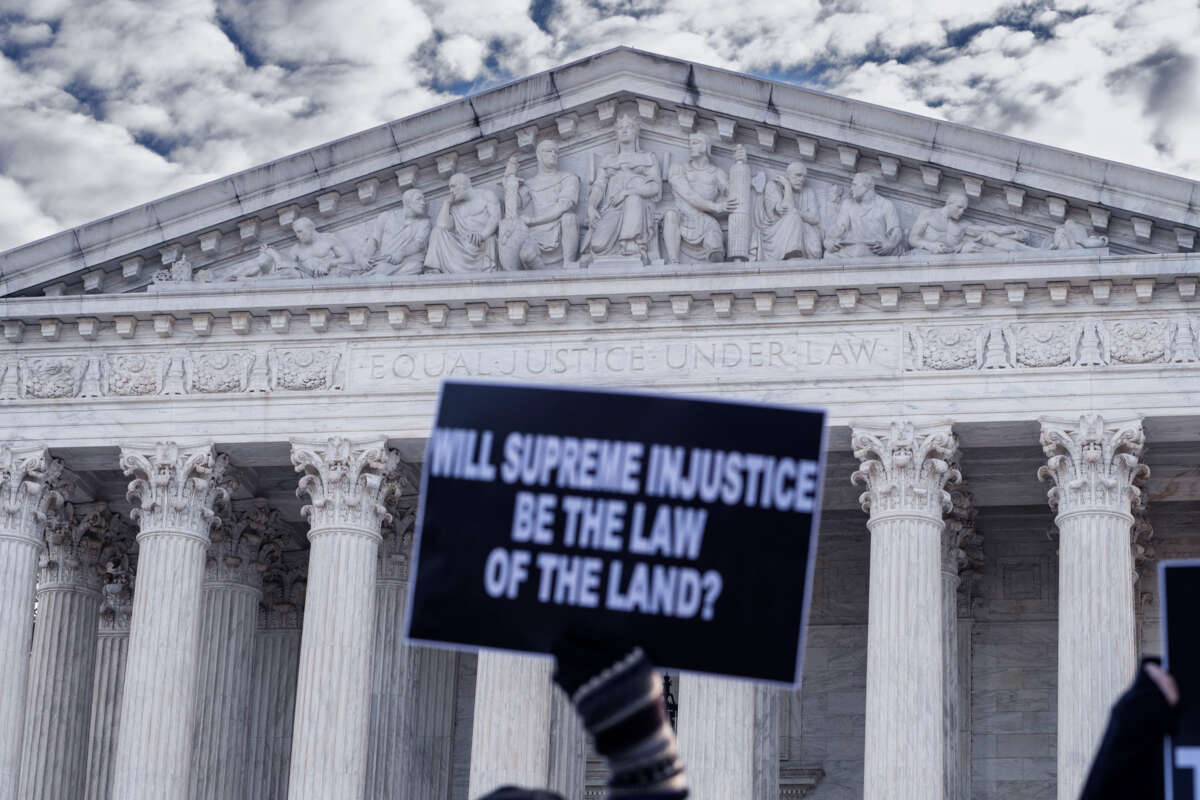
(1095,465)
(250,536)
(79,539)
(282,605)
(28,477)
(177,488)
(905,469)
(347,483)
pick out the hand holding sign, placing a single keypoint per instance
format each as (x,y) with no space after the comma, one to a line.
(686,526)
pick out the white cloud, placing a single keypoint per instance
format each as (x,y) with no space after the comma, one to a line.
(108,103)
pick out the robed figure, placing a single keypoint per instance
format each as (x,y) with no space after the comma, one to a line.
(621,201)
(464,237)
(787,217)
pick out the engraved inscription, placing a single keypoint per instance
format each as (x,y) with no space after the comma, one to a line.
(759,358)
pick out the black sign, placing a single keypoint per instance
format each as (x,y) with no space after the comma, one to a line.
(1179,594)
(687,527)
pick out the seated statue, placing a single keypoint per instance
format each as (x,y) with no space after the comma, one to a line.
(621,199)
(314,255)
(547,234)
(398,239)
(938,230)
(464,237)
(866,224)
(787,217)
(701,193)
(1072,235)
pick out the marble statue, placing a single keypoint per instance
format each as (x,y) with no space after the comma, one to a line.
(464,237)
(1072,235)
(701,190)
(788,217)
(397,240)
(866,224)
(625,186)
(940,230)
(315,255)
(547,233)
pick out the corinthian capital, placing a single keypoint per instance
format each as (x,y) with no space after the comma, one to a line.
(176,487)
(1095,464)
(251,536)
(79,540)
(28,476)
(395,553)
(348,483)
(905,469)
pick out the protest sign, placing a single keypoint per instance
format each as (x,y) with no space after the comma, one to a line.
(684,526)
(1179,596)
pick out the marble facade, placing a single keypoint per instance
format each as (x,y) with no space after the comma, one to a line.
(213,410)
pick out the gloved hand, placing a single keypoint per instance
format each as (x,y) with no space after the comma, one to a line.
(620,697)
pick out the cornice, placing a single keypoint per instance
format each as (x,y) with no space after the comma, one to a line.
(927,284)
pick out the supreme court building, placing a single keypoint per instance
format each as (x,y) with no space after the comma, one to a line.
(213,409)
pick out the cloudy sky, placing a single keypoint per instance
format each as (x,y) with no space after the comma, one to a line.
(105,104)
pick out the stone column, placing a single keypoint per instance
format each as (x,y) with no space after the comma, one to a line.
(237,554)
(1094,464)
(511,728)
(176,488)
(729,738)
(112,651)
(273,692)
(62,661)
(27,477)
(348,484)
(412,688)
(905,471)
(568,747)
(961,556)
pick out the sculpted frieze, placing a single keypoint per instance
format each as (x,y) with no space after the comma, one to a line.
(948,347)
(941,230)
(144,373)
(52,377)
(134,374)
(219,371)
(305,368)
(1140,341)
(627,202)
(1087,342)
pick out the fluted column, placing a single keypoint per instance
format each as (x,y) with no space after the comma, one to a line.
(1094,464)
(961,555)
(27,476)
(176,488)
(905,472)
(729,738)
(348,484)
(237,554)
(112,652)
(63,658)
(273,684)
(510,741)
(412,688)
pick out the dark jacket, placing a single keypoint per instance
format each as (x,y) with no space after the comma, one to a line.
(1129,762)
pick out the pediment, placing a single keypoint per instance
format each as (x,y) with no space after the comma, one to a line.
(1021,197)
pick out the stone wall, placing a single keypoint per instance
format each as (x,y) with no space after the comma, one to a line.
(1013,659)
